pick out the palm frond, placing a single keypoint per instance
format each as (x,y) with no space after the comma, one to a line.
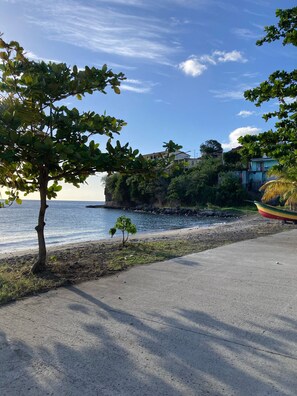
(283,187)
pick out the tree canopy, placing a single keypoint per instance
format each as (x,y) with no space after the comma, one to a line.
(209,182)
(42,140)
(211,148)
(279,143)
(171,147)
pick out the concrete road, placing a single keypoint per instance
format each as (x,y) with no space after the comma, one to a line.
(220,322)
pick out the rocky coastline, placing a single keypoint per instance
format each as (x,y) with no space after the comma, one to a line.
(177,211)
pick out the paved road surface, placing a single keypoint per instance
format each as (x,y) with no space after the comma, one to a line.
(220,322)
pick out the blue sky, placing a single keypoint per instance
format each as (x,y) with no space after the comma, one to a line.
(187,63)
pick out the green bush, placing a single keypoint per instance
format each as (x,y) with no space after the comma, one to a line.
(125,225)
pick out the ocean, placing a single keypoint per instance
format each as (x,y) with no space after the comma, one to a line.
(71,221)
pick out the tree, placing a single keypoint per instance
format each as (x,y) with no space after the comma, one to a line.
(125,225)
(230,190)
(198,185)
(171,147)
(211,148)
(148,186)
(44,142)
(233,159)
(285,187)
(280,143)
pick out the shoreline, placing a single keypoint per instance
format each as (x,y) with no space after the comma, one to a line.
(145,235)
(27,244)
(75,263)
(245,227)
(176,211)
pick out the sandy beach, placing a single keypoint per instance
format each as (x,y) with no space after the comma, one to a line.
(75,263)
(246,227)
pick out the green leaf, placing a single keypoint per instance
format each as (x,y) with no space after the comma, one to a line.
(112,231)
(28,79)
(117,90)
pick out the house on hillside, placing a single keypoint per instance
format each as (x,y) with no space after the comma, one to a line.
(255,175)
(257,172)
(179,156)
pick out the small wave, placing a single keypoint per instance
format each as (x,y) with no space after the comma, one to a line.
(70,222)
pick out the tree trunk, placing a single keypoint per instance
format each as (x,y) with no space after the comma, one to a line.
(40,264)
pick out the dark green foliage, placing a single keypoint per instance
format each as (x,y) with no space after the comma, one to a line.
(42,141)
(207,183)
(233,159)
(121,192)
(285,29)
(196,186)
(148,187)
(211,148)
(281,142)
(171,147)
(229,191)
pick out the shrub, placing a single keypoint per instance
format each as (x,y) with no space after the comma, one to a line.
(125,225)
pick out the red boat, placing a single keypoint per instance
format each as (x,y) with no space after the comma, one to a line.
(271,212)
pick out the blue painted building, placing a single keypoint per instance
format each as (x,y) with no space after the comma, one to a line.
(256,174)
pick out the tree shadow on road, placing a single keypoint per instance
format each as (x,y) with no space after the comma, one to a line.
(115,351)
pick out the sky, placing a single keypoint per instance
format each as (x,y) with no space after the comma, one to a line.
(187,64)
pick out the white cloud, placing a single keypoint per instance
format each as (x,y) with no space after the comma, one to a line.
(117,65)
(254,13)
(238,132)
(195,66)
(236,93)
(133,81)
(208,59)
(246,34)
(192,67)
(110,30)
(228,95)
(232,56)
(131,88)
(289,100)
(190,3)
(31,55)
(250,75)
(177,21)
(162,101)
(136,86)
(245,113)
(156,3)
(125,2)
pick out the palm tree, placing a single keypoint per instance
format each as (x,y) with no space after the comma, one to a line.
(284,186)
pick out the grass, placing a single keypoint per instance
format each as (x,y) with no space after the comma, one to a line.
(92,261)
(242,210)
(16,281)
(150,252)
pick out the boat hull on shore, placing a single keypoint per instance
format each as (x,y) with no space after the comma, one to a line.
(272,212)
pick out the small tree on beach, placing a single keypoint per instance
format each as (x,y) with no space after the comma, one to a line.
(43,141)
(125,225)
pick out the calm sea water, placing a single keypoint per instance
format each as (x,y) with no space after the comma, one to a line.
(71,221)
